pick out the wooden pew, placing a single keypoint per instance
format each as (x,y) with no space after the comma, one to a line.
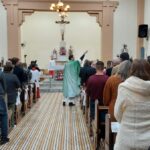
(87,110)
(9,118)
(26,107)
(26,98)
(18,113)
(21,105)
(23,100)
(30,94)
(97,124)
(34,93)
(18,108)
(83,99)
(109,136)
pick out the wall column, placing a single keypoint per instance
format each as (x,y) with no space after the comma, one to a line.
(14,45)
(140,20)
(107,31)
(105,21)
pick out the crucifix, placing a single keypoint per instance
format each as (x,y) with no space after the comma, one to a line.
(62,23)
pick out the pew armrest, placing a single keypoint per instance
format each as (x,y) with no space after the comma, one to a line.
(102,107)
(109,135)
(98,110)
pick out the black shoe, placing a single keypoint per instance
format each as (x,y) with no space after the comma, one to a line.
(64,103)
(71,104)
(4,140)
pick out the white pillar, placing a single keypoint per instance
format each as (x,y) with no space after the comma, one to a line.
(147,21)
(3,32)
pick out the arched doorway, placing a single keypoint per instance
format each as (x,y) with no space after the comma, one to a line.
(40,35)
(18,9)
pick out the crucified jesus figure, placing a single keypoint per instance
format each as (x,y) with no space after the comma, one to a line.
(62,36)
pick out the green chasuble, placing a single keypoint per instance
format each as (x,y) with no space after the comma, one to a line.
(71,80)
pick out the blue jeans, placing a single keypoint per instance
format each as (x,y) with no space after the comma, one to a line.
(3,118)
(92,109)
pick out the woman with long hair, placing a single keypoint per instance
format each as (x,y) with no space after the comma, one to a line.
(132,109)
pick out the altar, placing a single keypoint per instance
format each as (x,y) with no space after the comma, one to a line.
(61,60)
(56,67)
(61,57)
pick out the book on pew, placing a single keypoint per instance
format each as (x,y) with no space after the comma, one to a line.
(115,127)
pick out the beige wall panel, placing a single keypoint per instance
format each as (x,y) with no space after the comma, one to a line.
(41,35)
(125,27)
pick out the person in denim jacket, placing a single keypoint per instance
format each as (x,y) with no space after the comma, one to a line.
(3,111)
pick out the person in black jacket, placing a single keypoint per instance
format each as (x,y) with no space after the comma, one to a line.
(22,76)
(34,63)
(3,111)
(109,68)
(12,83)
(86,71)
(18,71)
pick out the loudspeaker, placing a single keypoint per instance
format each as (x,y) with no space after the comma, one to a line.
(143,31)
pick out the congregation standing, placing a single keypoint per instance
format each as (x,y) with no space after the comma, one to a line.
(14,80)
(123,86)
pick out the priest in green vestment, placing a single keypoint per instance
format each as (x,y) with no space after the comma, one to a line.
(71,82)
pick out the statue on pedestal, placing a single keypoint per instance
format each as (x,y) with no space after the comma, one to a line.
(54,54)
(70,51)
(125,49)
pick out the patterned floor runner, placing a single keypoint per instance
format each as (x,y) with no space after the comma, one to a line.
(50,126)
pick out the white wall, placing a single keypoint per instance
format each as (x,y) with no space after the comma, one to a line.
(147,21)
(3,32)
(125,27)
(41,35)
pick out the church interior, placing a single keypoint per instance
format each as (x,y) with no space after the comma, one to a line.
(67,50)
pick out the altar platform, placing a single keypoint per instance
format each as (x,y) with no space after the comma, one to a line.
(49,84)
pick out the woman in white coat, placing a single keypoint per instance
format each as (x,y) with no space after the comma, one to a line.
(132,109)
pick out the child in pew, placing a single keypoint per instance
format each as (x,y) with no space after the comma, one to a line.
(12,84)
